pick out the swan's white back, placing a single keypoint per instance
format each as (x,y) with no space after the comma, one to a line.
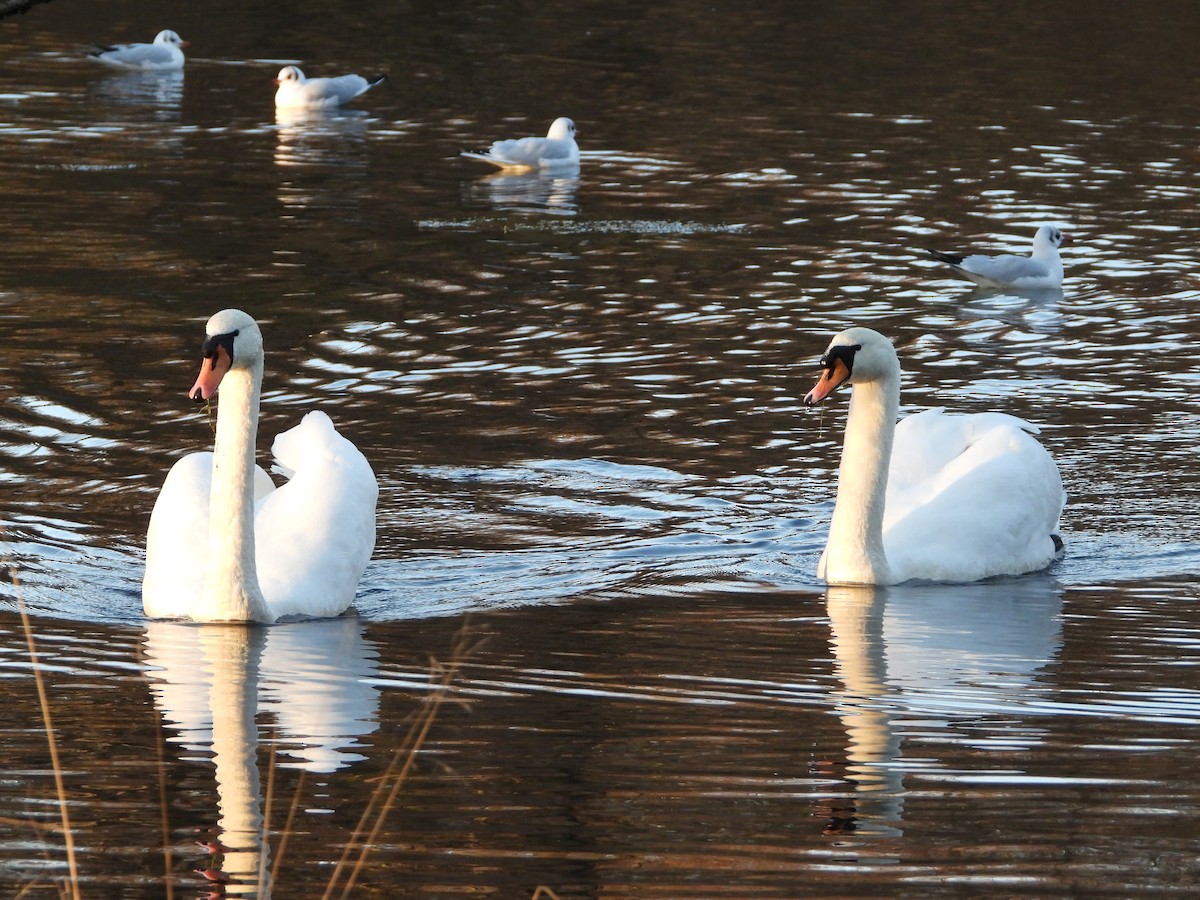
(315,534)
(969,497)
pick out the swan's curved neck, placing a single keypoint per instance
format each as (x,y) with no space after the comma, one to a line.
(854,553)
(231,579)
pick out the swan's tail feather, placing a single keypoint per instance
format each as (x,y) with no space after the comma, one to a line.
(315,433)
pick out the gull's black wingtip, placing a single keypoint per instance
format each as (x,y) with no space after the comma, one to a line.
(953,259)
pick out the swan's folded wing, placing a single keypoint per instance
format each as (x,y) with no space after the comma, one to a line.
(177,540)
(990,510)
(927,442)
(315,535)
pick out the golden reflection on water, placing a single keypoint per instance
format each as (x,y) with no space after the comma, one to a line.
(582,396)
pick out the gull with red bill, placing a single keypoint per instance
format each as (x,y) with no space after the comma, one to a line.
(557,150)
(1041,269)
(164,54)
(296,91)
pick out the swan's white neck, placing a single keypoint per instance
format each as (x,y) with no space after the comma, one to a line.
(231,579)
(854,553)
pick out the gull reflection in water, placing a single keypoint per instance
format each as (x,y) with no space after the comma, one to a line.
(211,682)
(937,652)
(161,92)
(313,136)
(1038,311)
(526,190)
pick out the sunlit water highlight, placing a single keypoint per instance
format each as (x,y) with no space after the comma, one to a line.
(582,395)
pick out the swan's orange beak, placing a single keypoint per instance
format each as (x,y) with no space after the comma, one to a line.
(832,378)
(212,370)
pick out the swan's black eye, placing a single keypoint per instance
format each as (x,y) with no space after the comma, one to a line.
(843,352)
(209,349)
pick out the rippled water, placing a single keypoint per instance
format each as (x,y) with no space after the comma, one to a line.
(601,496)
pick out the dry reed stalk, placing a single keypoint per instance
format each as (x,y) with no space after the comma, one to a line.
(48,724)
(287,826)
(403,759)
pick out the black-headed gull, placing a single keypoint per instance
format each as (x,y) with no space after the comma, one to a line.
(1042,268)
(297,92)
(165,53)
(556,150)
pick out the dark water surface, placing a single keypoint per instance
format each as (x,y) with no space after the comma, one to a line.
(602,501)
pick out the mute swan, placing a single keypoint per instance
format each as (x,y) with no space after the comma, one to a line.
(1043,267)
(224,545)
(164,54)
(939,497)
(297,92)
(556,150)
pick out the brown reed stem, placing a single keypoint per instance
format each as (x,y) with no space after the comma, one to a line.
(287,826)
(384,797)
(48,723)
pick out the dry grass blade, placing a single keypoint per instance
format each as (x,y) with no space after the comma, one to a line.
(287,827)
(44,701)
(403,759)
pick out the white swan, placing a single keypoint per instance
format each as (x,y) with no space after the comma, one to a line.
(223,544)
(1042,268)
(940,497)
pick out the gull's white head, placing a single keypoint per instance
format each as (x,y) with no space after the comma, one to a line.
(290,74)
(167,36)
(1049,237)
(561,129)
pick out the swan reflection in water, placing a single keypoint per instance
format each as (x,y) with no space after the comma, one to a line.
(211,682)
(934,652)
(516,191)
